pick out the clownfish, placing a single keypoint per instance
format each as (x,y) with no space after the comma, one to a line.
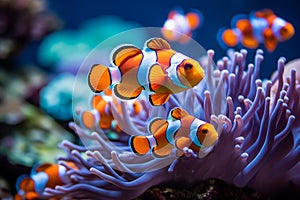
(179,131)
(179,27)
(157,69)
(45,175)
(101,114)
(262,27)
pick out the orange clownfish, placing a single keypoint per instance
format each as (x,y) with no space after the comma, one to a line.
(261,27)
(101,114)
(157,69)
(179,131)
(45,175)
(179,27)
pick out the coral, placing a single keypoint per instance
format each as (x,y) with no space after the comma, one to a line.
(57,49)
(23,21)
(56,97)
(258,143)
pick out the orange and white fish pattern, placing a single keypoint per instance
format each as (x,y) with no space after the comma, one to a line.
(157,69)
(45,175)
(180,27)
(180,130)
(101,116)
(261,27)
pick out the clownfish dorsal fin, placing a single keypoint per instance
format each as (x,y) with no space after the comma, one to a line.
(178,113)
(172,14)
(264,13)
(157,44)
(182,142)
(156,124)
(123,52)
(43,167)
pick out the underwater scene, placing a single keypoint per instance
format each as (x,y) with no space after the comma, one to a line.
(157,99)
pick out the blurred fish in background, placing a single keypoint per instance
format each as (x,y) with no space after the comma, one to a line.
(261,26)
(180,27)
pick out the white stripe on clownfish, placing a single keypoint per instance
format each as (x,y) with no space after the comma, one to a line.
(259,25)
(149,58)
(176,59)
(193,131)
(278,23)
(152,141)
(40,180)
(173,127)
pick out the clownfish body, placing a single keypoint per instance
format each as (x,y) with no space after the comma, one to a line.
(180,130)
(156,69)
(261,27)
(179,27)
(45,175)
(101,113)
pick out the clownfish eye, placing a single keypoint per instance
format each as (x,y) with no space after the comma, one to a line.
(204,131)
(188,66)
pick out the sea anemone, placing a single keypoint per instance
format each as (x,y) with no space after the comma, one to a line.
(258,142)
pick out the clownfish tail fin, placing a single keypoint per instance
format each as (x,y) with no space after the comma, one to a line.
(101,77)
(228,37)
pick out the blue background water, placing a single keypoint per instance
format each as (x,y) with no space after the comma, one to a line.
(217,14)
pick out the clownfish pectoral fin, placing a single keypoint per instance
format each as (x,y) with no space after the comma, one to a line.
(159,98)
(182,142)
(140,144)
(250,42)
(124,52)
(270,40)
(157,77)
(178,113)
(126,92)
(194,18)
(99,78)
(161,152)
(157,44)
(270,45)
(156,124)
